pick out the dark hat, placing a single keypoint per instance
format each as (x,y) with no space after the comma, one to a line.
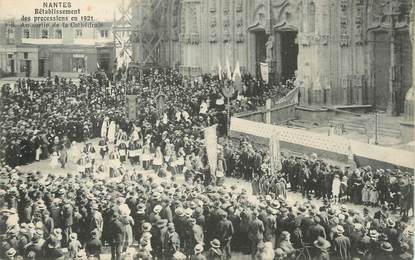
(53,243)
(302,209)
(94,233)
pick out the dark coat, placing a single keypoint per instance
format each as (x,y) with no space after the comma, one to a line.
(93,247)
(256,230)
(342,247)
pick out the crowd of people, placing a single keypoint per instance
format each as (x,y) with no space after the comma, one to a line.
(146,217)
(141,214)
(36,115)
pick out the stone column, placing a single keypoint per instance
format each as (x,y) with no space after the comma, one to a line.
(410,95)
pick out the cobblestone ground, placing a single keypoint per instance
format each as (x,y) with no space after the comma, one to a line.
(45,168)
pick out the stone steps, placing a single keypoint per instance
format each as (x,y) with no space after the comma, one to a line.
(360,125)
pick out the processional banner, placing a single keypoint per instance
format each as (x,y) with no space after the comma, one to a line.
(264,71)
(131,107)
(211,147)
(275,152)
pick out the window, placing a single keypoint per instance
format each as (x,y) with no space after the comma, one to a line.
(58,34)
(26,33)
(78,33)
(25,55)
(104,33)
(10,35)
(45,34)
(79,63)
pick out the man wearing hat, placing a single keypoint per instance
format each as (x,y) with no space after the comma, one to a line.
(316,230)
(285,243)
(322,247)
(116,231)
(214,252)
(67,220)
(54,251)
(392,233)
(225,232)
(37,244)
(74,245)
(386,251)
(142,252)
(93,247)
(158,232)
(255,232)
(270,225)
(198,253)
(341,244)
(11,254)
(171,241)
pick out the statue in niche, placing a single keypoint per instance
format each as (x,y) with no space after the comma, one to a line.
(213,36)
(269,46)
(226,33)
(298,82)
(239,6)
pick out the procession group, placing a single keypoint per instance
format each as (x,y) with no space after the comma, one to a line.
(151,215)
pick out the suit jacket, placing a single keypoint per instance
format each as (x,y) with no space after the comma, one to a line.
(116,231)
(172,243)
(224,230)
(315,231)
(342,246)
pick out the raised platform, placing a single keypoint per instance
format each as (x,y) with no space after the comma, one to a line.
(336,148)
(357,122)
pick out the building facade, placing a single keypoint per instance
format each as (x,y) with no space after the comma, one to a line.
(345,52)
(35,51)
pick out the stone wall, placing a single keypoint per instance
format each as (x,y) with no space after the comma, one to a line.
(336,42)
(344,46)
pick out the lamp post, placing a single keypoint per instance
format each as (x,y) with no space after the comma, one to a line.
(228,92)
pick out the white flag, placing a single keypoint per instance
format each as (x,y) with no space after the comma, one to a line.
(237,77)
(219,70)
(211,147)
(237,72)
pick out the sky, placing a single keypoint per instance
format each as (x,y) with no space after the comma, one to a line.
(102,10)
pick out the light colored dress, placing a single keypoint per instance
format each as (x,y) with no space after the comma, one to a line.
(158,158)
(373,196)
(54,160)
(366,193)
(335,187)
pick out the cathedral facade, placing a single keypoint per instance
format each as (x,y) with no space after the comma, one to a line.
(343,52)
